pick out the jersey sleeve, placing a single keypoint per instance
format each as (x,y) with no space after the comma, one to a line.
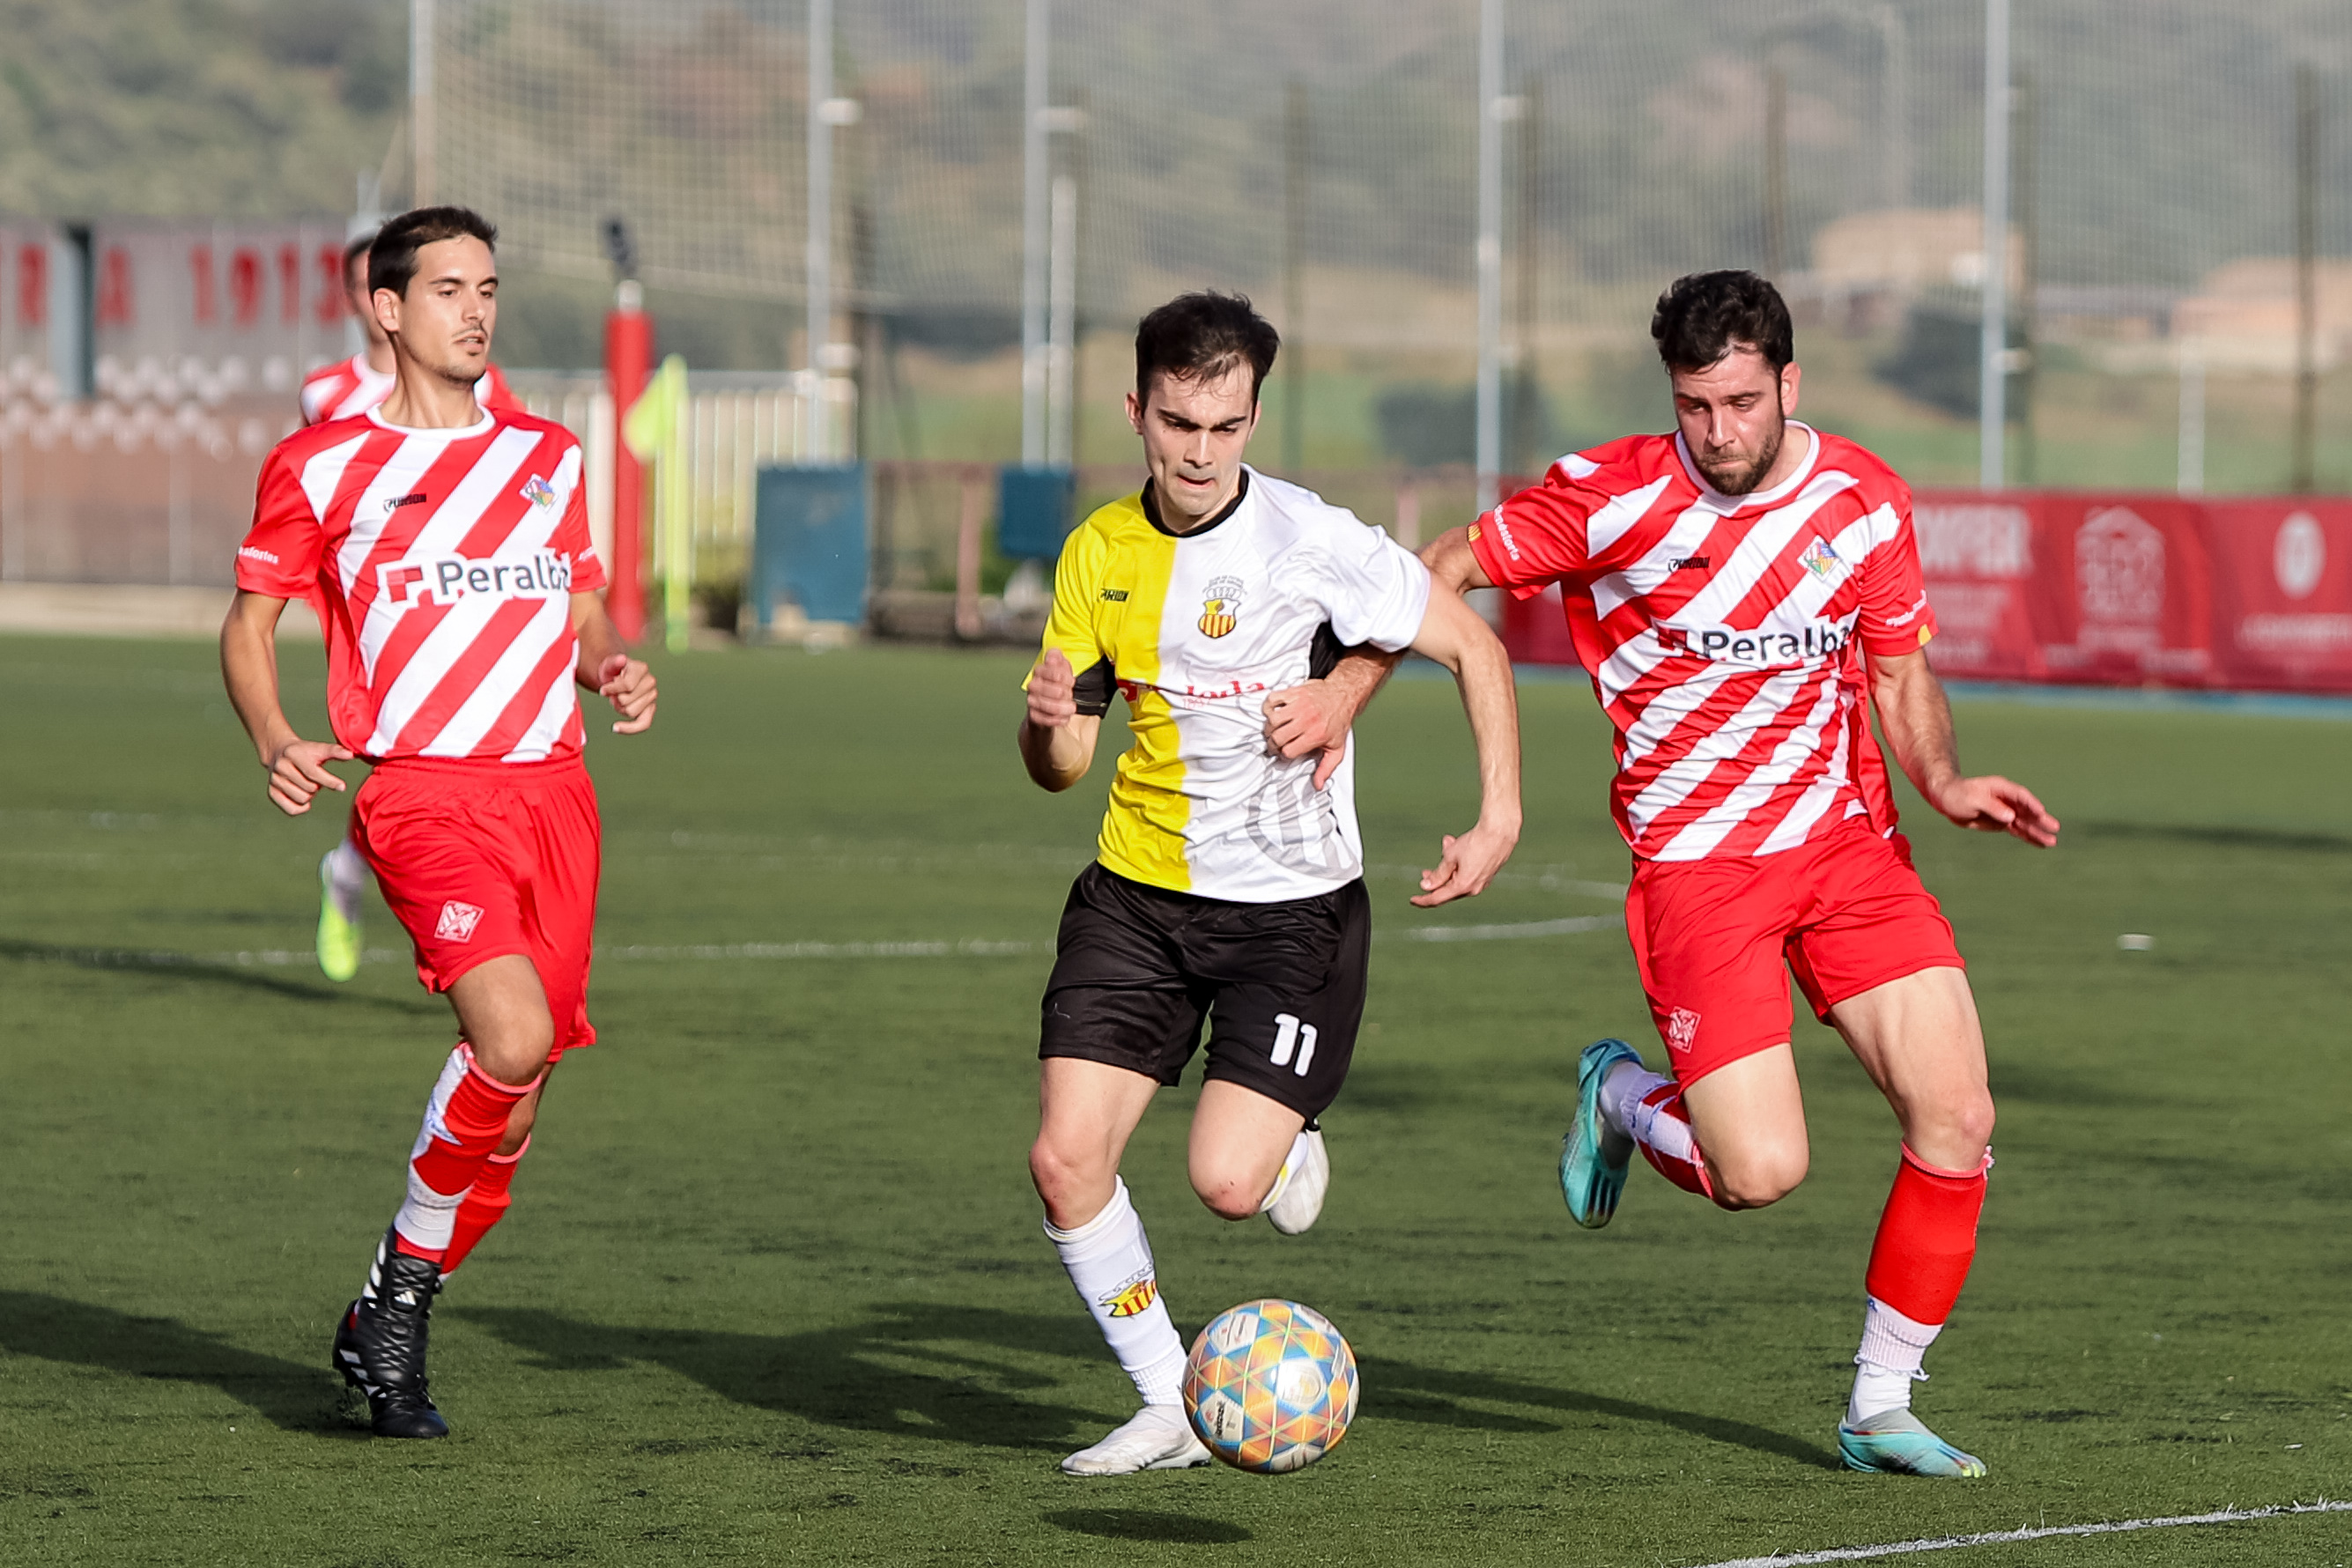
(313,398)
(1376,591)
(1072,628)
(281,554)
(1537,537)
(572,536)
(1896,615)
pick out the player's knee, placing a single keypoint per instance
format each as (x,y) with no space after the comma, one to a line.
(1227,1197)
(518,1052)
(1757,1178)
(1060,1178)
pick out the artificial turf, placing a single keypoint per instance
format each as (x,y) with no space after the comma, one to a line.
(773,1290)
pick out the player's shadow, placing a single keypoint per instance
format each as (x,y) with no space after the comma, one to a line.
(1144,1524)
(287,1394)
(164,965)
(915,1370)
(1404,1392)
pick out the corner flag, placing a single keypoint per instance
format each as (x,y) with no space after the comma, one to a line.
(655,430)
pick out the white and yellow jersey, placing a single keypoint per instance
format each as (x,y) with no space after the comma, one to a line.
(1197,630)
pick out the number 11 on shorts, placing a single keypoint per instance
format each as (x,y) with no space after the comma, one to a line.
(1290,1034)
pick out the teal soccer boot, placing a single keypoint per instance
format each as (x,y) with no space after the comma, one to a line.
(1897,1443)
(1593,1156)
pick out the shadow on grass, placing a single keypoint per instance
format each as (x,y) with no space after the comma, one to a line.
(287,1394)
(164,963)
(1404,1392)
(2219,836)
(1141,1524)
(911,1370)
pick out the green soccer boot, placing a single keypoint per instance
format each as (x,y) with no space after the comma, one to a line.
(339,926)
(1593,1157)
(1897,1443)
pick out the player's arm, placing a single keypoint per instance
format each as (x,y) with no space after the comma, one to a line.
(1316,716)
(606,668)
(297,767)
(1917,721)
(1457,637)
(1058,741)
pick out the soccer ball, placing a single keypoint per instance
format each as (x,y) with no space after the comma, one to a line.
(1270,1386)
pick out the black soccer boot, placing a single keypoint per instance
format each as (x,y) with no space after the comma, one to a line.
(380,1348)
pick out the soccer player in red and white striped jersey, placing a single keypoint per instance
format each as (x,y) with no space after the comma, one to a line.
(339,391)
(1743,592)
(446,548)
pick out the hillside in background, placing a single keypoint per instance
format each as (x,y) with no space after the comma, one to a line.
(247,108)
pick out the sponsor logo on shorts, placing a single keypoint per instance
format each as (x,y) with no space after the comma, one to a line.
(442,582)
(1221,604)
(1682,1029)
(458,922)
(1134,1296)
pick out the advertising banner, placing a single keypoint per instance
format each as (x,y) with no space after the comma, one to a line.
(2283,592)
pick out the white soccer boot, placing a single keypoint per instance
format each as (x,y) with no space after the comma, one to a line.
(1158,1437)
(1297,1200)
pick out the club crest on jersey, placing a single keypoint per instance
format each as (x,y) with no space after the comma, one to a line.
(543,575)
(1134,1295)
(1821,560)
(538,491)
(1221,604)
(458,922)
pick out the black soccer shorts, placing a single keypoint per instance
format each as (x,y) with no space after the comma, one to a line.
(1137,968)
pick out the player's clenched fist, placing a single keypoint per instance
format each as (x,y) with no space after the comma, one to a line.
(298,771)
(1053,691)
(628,685)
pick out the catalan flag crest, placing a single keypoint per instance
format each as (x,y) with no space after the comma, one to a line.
(1270,1386)
(1221,607)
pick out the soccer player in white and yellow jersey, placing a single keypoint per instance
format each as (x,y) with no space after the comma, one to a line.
(1229,886)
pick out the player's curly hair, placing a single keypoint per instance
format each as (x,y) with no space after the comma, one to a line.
(1705,315)
(392,259)
(1203,336)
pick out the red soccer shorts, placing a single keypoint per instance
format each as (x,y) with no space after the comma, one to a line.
(483,859)
(1715,939)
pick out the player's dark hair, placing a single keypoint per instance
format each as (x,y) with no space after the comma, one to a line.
(392,257)
(1705,315)
(1201,337)
(355,251)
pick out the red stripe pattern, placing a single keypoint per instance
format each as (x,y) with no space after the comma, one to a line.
(1724,634)
(442,564)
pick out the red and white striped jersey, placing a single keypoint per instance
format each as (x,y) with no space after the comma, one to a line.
(1724,634)
(351,386)
(442,564)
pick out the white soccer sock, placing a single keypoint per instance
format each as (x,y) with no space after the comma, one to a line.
(1622,1092)
(1292,1162)
(1888,1363)
(346,870)
(1110,1262)
(429,1218)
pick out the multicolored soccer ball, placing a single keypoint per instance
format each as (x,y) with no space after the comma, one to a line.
(1270,1386)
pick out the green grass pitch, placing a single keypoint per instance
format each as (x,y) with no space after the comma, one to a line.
(773,1290)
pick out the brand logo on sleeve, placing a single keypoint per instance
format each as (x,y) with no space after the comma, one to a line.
(458,922)
(1221,604)
(442,582)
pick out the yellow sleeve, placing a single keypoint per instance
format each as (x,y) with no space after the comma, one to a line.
(1072,626)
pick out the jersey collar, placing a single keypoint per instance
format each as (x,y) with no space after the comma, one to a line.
(1772,497)
(1151,508)
(481,426)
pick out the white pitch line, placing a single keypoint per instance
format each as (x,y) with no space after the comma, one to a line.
(1517,931)
(2044,1532)
(969,949)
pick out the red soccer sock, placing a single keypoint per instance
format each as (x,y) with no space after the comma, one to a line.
(464,1123)
(1661,1128)
(485,1203)
(1926,1237)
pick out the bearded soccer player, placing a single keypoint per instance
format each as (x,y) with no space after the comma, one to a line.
(1230,884)
(1743,592)
(338,391)
(446,548)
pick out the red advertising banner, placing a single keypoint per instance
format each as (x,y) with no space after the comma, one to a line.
(2113,589)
